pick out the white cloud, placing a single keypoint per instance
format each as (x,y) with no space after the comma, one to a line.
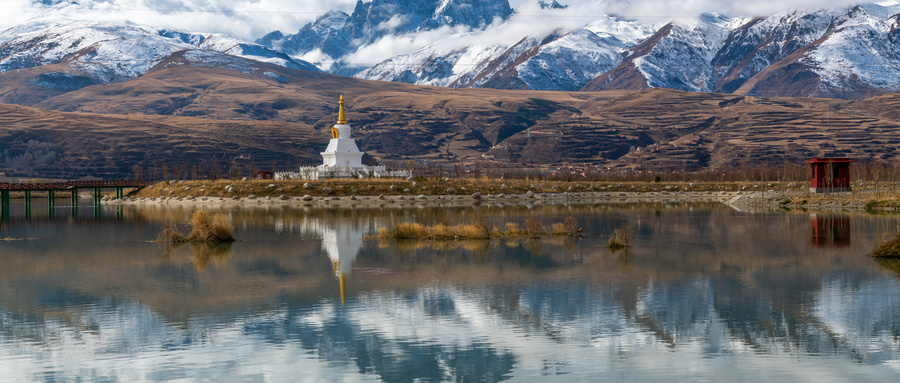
(390,46)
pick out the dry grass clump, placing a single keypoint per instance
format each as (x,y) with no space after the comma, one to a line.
(478,229)
(889,249)
(621,238)
(213,228)
(567,227)
(557,228)
(412,230)
(403,230)
(210,228)
(512,229)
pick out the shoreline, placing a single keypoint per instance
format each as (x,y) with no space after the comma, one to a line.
(500,199)
(870,198)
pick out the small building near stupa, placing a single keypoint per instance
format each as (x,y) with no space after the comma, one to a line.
(342,158)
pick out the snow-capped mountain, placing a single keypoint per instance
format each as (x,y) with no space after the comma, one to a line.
(97,52)
(335,36)
(841,53)
(558,60)
(844,53)
(847,52)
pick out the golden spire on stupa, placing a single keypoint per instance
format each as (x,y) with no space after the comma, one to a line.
(342,120)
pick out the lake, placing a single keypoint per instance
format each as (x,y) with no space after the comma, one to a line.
(706,293)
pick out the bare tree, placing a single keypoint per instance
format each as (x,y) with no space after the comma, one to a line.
(138,172)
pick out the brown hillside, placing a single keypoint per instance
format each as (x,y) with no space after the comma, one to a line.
(39,143)
(183,116)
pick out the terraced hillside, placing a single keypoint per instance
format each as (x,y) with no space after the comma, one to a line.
(186,116)
(39,143)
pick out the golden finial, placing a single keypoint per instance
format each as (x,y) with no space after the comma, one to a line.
(341,119)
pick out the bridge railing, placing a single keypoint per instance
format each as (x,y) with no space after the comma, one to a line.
(73,184)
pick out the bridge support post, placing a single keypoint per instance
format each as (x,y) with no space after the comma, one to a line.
(51,203)
(4,205)
(28,204)
(120,193)
(74,197)
(96,196)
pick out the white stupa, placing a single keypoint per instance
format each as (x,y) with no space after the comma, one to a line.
(342,154)
(342,158)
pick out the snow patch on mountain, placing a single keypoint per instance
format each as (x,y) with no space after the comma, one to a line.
(572,60)
(860,49)
(682,59)
(559,60)
(110,52)
(115,53)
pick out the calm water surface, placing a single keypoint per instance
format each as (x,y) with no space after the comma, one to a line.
(706,293)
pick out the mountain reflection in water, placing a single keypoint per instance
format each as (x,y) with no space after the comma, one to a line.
(705,294)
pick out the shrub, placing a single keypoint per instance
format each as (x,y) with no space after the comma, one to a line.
(621,238)
(482,227)
(534,227)
(570,225)
(889,249)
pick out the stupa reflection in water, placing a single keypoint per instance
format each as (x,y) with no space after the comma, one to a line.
(342,244)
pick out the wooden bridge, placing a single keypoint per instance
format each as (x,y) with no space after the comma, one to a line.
(71,187)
